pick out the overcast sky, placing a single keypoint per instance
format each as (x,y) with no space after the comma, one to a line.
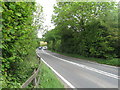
(48,11)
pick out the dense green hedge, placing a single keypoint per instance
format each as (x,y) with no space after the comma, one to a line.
(85,28)
(19,43)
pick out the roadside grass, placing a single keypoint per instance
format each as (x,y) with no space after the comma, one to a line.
(48,79)
(113,62)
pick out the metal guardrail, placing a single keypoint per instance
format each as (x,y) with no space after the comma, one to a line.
(33,78)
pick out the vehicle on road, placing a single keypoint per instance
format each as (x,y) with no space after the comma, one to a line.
(44,48)
(39,48)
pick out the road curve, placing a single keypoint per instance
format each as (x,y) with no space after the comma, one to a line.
(78,73)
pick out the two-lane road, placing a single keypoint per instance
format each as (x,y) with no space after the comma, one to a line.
(79,73)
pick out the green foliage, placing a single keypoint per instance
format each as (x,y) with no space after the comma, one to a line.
(57,45)
(86,28)
(19,42)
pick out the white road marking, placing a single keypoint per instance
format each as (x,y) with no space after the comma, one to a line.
(68,83)
(86,67)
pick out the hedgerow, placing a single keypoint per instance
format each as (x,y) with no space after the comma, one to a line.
(19,42)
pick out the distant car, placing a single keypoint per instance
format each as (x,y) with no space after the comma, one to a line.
(44,48)
(39,48)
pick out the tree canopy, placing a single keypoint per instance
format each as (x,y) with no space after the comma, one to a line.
(86,28)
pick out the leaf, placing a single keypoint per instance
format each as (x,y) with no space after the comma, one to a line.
(1,46)
(12,6)
(1,9)
(18,14)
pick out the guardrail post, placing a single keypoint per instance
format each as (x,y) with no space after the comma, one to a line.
(34,80)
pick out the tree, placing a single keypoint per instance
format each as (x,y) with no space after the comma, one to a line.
(86,28)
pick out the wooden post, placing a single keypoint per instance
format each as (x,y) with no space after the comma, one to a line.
(34,80)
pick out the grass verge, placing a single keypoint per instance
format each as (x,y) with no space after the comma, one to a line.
(113,62)
(48,79)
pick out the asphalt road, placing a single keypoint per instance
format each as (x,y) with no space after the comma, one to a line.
(78,73)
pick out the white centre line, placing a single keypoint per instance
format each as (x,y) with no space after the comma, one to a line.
(86,67)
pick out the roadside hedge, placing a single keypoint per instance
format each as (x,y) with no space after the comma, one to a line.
(19,42)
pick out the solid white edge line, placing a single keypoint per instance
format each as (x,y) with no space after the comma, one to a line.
(68,83)
(86,67)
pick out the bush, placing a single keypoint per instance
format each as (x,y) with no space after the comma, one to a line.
(19,43)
